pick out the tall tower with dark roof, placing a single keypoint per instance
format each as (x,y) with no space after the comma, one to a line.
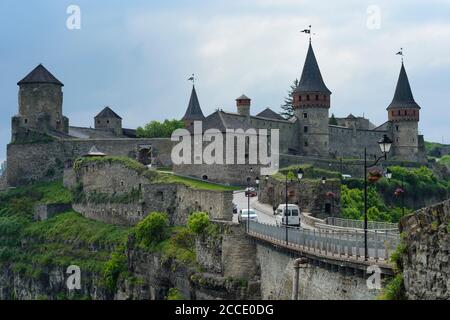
(404,115)
(194,111)
(311,106)
(40,104)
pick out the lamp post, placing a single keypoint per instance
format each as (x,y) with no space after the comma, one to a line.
(385,145)
(286,222)
(397,191)
(247,193)
(257,181)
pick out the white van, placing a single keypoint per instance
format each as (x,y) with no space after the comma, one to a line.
(293,215)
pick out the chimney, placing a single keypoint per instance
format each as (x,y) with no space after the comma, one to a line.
(243,105)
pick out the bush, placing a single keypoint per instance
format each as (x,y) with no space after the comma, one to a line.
(153,229)
(174,294)
(198,222)
(394,290)
(113,268)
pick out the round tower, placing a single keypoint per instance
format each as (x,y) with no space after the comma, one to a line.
(404,115)
(311,107)
(243,104)
(40,102)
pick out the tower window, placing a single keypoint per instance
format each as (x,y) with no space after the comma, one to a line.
(299,98)
(317,97)
(306,143)
(305,115)
(406,113)
(307,97)
(98,121)
(399,113)
(393,114)
(325,97)
(26,121)
(305,129)
(107,121)
(396,128)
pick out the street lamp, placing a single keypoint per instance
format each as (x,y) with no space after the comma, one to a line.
(324,180)
(388,174)
(247,193)
(385,145)
(286,222)
(398,191)
(257,181)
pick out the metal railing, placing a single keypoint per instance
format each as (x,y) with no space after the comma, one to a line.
(345,243)
(359,224)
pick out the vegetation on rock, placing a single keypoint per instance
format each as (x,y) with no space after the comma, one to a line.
(156,129)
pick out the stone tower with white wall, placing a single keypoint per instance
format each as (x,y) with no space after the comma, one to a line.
(311,106)
(404,115)
(40,105)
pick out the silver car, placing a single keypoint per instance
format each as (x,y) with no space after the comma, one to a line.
(245,214)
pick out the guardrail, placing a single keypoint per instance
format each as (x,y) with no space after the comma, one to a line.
(345,243)
(359,224)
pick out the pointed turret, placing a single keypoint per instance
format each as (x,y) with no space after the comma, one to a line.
(404,115)
(311,80)
(403,97)
(311,105)
(194,111)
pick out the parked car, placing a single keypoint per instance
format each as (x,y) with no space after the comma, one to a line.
(292,216)
(245,214)
(250,192)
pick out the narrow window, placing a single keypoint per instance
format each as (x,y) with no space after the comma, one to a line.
(396,128)
(307,97)
(26,121)
(306,143)
(317,97)
(305,129)
(305,115)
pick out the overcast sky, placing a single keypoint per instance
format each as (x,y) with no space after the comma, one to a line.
(136,55)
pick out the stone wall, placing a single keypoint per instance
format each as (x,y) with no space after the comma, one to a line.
(33,162)
(48,211)
(315,282)
(350,142)
(139,196)
(310,195)
(426,268)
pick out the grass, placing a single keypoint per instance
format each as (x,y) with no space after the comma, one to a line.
(165,177)
(445,160)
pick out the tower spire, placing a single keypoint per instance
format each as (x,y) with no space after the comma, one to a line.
(194,111)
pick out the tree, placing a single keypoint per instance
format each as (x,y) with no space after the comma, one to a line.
(333,120)
(198,222)
(157,129)
(288,106)
(153,229)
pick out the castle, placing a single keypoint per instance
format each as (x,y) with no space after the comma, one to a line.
(309,133)
(43,142)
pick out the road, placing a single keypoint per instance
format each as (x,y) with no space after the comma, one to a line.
(240,200)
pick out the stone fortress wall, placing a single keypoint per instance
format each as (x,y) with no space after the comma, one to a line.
(426,269)
(118,195)
(33,162)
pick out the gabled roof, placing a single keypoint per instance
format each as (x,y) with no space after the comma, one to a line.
(311,80)
(40,75)
(351,116)
(270,114)
(107,112)
(194,111)
(403,97)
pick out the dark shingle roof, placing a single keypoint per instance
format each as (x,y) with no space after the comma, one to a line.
(403,97)
(243,97)
(194,111)
(311,80)
(40,75)
(270,114)
(107,113)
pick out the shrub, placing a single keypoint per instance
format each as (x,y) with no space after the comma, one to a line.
(198,222)
(153,229)
(113,268)
(394,290)
(174,294)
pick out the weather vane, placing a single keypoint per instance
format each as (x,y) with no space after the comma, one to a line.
(192,78)
(400,53)
(308,31)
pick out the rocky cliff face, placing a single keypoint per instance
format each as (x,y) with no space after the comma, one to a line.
(426,268)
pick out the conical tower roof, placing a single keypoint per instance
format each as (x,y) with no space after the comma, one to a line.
(40,75)
(311,80)
(403,97)
(194,111)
